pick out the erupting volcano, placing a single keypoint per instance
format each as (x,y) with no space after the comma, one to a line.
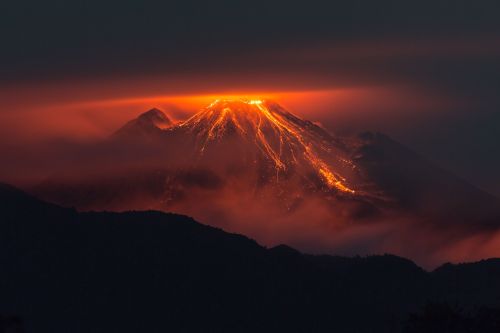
(251,149)
(274,135)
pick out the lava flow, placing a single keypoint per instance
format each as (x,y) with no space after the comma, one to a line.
(284,139)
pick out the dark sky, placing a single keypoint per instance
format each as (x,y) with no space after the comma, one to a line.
(444,55)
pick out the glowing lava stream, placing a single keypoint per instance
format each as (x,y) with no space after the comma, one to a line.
(222,112)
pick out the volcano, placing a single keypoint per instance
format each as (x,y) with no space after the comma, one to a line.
(275,141)
(258,147)
(251,166)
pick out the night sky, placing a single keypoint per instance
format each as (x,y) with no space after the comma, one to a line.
(425,72)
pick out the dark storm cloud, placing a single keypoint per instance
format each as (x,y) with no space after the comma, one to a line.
(53,38)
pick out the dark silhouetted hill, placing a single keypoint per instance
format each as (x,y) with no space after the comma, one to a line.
(65,271)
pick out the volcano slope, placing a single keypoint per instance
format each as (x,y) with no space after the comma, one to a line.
(250,166)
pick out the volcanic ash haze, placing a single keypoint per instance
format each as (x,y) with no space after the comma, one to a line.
(250,166)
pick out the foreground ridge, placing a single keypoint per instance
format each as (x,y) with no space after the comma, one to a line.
(157,272)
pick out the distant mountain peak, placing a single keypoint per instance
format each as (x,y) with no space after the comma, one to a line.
(156,117)
(147,124)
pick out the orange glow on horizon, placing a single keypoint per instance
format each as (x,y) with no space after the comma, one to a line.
(78,118)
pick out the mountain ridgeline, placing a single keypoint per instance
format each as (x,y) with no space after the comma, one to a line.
(154,272)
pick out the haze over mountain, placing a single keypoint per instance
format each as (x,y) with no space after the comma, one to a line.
(251,166)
